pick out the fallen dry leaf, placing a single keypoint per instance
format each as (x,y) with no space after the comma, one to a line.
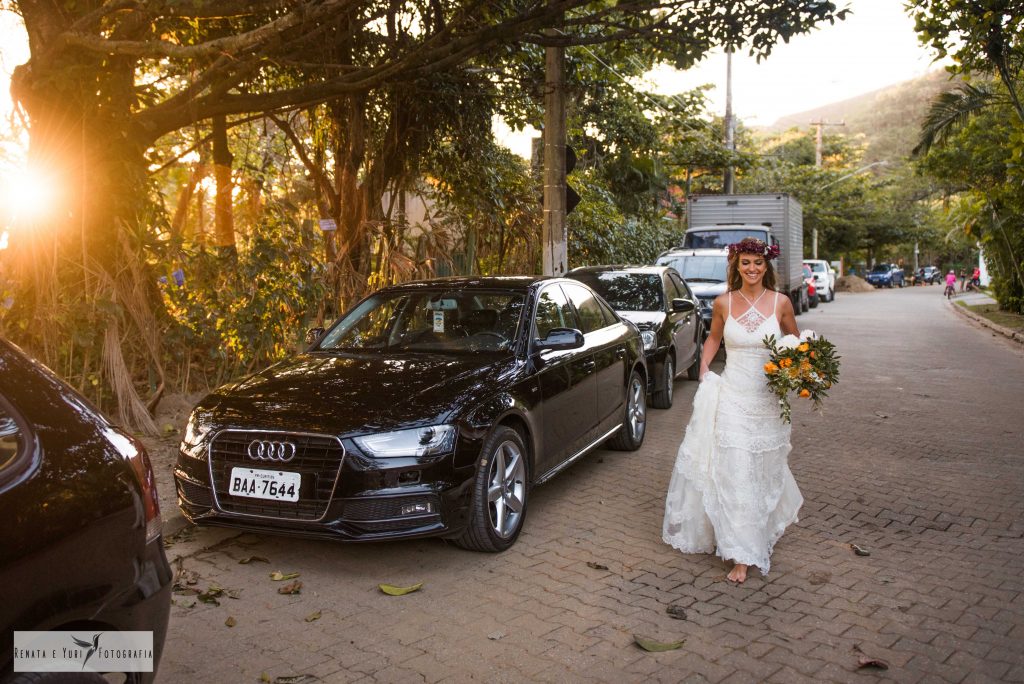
(859,550)
(392,590)
(279,576)
(656,646)
(253,559)
(597,566)
(819,577)
(230,622)
(676,612)
(865,661)
(291,588)
(313,617)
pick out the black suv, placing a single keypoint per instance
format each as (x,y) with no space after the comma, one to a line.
(659,302)
(80,545)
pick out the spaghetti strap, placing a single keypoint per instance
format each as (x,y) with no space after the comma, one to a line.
(728,294)
(775,304)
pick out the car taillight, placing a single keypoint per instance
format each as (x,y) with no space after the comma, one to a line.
(138,459)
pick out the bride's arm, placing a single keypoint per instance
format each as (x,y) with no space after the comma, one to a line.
(787,319)
(714,339)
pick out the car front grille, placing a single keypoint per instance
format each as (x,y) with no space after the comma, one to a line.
(197,495)
(317,458)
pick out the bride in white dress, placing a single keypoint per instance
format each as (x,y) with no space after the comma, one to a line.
(731,491)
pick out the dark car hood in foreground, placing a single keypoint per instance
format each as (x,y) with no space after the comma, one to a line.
(645,320)
(347,393)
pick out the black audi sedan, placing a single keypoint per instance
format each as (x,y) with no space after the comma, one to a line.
(80,544)
(429,409)
(661,304)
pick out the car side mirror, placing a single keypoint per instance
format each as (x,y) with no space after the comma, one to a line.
(313,335)
(682,305)
(559,339)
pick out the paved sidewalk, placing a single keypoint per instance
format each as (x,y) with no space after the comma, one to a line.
(918,458)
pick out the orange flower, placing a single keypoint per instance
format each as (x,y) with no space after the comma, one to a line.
(786,363)
(770,368)
(803,347)
(812,355)
(805,393)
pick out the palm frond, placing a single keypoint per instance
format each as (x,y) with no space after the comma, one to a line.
(950,111)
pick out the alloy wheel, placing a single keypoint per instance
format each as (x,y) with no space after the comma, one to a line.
(506,487)
(670,375)
(636,412)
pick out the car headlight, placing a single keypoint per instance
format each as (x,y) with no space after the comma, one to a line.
(425,441)
(196,430)
(649,339)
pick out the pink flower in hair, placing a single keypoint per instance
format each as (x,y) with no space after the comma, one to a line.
(754,246)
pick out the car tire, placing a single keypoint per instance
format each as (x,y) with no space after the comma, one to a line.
(693,372)
(494,525)
(661,397)
(630,436)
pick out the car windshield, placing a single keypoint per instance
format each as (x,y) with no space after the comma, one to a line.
(626,291)
(722,238)
(880,268)
(820,268)
(431,321)
(709,268)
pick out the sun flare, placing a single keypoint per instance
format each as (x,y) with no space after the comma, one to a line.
(28,194)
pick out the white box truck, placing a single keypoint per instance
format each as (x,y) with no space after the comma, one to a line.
(716,221)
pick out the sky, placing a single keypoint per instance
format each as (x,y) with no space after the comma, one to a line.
(875,47)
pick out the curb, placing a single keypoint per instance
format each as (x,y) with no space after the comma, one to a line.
(174,524)
(970,315)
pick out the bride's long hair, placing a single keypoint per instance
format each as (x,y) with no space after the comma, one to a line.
(735,280)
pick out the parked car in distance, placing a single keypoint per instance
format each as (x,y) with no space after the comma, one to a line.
(704,271)
(812,290)
(428,409)
(885,275)
(929,275)
(80,546)
(824,278)
(661,305)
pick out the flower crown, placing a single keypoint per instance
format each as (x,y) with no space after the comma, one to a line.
(754,246)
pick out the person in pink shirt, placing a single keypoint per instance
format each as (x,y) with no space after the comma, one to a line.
(950,284)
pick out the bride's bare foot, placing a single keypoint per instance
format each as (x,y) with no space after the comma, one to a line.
(738,574)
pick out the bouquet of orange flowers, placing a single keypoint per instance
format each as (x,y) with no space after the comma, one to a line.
(807,365)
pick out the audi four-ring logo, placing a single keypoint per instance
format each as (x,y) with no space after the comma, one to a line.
(267,450)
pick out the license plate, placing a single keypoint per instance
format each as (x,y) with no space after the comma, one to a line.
(265,484)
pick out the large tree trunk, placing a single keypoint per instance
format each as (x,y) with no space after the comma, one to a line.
(92,300)
(223,214)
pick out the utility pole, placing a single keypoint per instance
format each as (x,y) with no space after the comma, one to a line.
(555,236)
(821,123)
(730,124)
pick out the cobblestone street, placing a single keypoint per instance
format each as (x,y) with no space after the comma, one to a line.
(918,458)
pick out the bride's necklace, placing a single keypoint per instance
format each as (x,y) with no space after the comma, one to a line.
(752,319)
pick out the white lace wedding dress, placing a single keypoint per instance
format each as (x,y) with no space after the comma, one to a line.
(731,490)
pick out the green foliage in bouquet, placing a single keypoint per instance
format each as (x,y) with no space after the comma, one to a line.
(808,367)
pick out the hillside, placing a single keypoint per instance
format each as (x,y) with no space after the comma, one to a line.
(888,118)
